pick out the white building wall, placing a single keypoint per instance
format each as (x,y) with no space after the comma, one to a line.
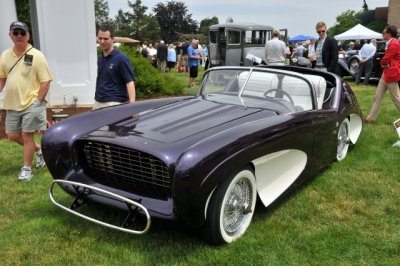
(7,15)
(68,39)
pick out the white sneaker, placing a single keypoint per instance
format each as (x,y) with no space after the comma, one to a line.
(25,174)
(39,160)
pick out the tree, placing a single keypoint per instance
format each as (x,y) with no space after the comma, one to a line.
(365,6)
(23,13)
(101,11)
(136,23)
(174,20)
(151,30)
(344,22)
(122,24)
(206,23)
(350,18)
(144,27)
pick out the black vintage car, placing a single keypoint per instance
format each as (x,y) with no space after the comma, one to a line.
(349,62)
(251,132)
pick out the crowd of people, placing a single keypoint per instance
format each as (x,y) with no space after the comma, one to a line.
(25,73)
(324,52)
(173,55)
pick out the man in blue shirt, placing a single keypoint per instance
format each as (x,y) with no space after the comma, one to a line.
(193,62)
(366,54)
(115,82)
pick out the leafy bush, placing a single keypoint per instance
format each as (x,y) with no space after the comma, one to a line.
(149,82)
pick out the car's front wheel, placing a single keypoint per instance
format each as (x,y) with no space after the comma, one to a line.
(354,65)
(231,208)
(343,140)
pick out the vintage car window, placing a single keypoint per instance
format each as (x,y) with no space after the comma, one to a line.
(222,81)
(381,47)
(233,37)
(213,36)
(248,38)
(255,36)
(222,86)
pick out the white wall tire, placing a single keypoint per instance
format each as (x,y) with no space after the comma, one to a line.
(343,140)
(231,208)
(354,66)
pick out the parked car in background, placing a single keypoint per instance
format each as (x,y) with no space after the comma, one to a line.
(239,44)
(251,132)
(348,63)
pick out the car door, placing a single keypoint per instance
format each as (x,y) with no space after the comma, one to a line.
(233,47)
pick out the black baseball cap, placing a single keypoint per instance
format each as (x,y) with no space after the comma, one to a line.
(18,25)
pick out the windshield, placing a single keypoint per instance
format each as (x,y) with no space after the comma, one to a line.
(281,92)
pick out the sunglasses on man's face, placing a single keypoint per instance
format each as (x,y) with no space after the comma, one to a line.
(19,32)
(321,31)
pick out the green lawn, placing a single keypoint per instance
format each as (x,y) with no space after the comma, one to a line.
(348,215)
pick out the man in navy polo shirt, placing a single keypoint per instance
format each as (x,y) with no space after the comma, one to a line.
(115,82)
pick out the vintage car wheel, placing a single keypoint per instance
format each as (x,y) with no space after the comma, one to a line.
(354,65)
(343,140)
(231,208)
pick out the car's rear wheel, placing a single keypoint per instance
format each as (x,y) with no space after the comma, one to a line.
(343,140)
(231,208)
(354,64)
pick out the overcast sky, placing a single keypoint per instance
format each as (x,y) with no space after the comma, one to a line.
(299,17)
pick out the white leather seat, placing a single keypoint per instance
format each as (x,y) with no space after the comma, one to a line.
(299,91)
(319,84)
(259,83)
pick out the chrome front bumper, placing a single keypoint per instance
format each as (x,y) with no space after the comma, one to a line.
(84,190)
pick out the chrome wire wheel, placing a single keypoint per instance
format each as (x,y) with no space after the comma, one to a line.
(231,208)
(354,65)
(343,140)
(237,206)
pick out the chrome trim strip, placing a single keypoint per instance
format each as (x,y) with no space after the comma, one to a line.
(110,194)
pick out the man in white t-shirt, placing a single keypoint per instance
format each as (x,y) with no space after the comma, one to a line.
(275,50)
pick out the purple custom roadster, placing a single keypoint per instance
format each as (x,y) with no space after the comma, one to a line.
(250,132)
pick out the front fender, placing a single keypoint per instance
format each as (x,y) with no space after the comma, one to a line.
(344,68)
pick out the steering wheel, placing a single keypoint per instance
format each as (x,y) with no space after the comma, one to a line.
(281,91)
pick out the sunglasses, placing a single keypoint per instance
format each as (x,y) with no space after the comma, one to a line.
(19,32)
(321,31)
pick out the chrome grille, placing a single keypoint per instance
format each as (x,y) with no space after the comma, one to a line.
(125,169)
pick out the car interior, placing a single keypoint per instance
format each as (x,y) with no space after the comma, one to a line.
(291,91)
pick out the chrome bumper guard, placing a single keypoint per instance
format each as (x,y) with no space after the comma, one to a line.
(132,206)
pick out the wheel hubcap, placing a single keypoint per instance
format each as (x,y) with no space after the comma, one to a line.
(343,140)
(354,66)
(237,207)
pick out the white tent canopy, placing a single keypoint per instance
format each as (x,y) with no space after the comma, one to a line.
(358,32)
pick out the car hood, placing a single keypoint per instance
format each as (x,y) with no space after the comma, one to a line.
(181,120)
